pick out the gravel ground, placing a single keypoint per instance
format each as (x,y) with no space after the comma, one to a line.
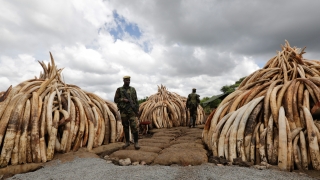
(95,168)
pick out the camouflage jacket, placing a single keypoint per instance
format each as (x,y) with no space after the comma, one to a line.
(193,100)
(125,107)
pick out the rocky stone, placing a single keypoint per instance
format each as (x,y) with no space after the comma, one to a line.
(265,164)
(260,167)
(125,162)
(106,157)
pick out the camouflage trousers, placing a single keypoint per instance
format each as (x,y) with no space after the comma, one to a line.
(193,116)
(130,121)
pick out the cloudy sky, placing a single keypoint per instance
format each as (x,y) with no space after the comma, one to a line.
(180,44)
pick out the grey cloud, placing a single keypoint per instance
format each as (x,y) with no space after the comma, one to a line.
(181,62)
(248,28)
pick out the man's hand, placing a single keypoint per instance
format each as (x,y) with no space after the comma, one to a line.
(125,100)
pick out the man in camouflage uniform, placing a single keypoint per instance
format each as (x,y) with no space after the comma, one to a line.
(192,104)
(128,110)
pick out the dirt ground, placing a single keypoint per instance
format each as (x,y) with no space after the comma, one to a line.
(179,145)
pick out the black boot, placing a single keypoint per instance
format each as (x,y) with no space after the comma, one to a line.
(127,136)
(191,121)
(136,137)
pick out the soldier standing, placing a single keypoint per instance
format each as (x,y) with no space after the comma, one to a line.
(127,102)
(192,104)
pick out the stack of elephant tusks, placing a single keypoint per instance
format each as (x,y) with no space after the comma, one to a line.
(42,116)
(271,117)
(167,109)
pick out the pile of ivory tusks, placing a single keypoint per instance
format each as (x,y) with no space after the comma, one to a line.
(39,117)
(167,109)
(271,117)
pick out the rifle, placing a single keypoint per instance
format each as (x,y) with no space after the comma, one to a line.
(131,103)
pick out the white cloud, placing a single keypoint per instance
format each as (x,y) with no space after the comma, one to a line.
(96,12)
(16,70)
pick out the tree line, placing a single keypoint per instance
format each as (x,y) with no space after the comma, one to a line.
(227,89)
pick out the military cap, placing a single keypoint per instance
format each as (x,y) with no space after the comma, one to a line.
(126,77)
(193,88)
